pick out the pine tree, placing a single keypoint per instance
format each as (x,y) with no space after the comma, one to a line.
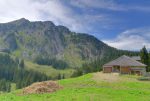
(21,64)
(63,76)
(17,61)
(145,58)
(59,76)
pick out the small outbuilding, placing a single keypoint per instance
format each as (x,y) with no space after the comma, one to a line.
(125,65)
(137,58)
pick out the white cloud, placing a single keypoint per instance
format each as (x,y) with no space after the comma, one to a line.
(52,10)
(133,39)
(60,13)
(105,4)
(14,9)
(36,10)
(109,5)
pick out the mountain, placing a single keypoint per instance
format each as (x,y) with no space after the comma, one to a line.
(30,40)
(39,51)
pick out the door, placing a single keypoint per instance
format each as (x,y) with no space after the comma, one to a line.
(107,69)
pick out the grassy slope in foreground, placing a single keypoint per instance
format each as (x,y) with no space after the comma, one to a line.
(92,87)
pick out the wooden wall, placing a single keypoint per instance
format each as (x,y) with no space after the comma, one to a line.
(107,69)
(125,70)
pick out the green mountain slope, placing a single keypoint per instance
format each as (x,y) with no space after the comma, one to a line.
(29,40)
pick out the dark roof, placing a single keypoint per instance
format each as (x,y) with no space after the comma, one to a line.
(125,61)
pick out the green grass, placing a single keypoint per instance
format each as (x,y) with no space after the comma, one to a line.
(48,70)
(13,87)
(85,88)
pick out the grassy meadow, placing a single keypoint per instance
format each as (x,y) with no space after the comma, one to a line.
(91,87)
(48,70)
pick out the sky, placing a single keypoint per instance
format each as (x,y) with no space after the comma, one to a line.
(123,24)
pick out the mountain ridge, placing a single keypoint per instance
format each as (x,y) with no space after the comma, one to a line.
(29,40)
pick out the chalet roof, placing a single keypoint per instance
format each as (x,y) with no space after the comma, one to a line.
(125,61)
(137,58)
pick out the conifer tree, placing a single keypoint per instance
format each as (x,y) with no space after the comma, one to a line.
(59,76)
(21,64)
(145,58)
(63,76)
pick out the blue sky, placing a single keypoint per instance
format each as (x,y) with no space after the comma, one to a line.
(124,24)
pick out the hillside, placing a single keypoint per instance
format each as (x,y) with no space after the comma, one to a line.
(91,87)
(39,51)
(31,40)
(49,70)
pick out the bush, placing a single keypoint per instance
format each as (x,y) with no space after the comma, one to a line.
(77,73)
(144,78)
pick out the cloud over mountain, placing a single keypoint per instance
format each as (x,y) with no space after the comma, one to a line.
(133,39)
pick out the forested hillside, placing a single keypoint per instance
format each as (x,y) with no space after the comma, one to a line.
(12,71)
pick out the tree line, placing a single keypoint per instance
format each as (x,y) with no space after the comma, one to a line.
(57,64)
(12,71)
